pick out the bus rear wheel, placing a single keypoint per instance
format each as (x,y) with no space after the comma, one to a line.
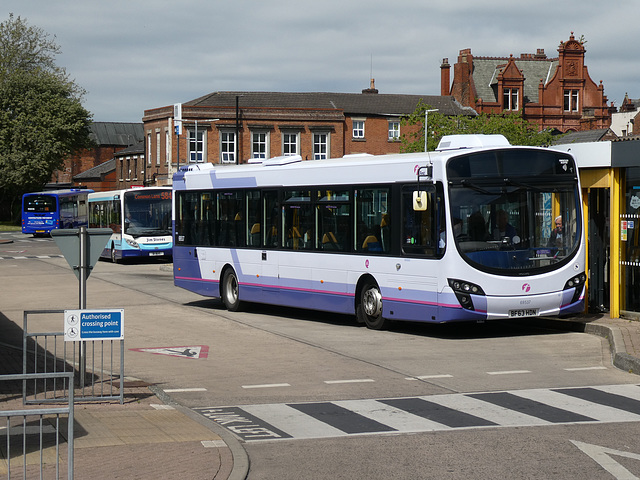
(231,291)
(369,309)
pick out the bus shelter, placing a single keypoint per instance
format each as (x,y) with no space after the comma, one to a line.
(610,179)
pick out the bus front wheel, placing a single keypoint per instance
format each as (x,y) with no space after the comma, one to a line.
(231,291)
(369,309)
(113,254)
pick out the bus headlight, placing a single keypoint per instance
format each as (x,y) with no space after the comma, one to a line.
(577,282)
(464,290)
(132,243)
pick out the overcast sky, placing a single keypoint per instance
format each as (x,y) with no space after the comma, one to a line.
(133,55)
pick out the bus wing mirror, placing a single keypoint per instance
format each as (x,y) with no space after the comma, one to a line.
(420,202)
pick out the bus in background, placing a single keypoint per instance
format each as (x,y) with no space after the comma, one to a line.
(48,210)
(461,234)
(140,219)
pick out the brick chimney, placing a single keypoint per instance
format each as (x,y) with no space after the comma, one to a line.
(445,77)
(372,88)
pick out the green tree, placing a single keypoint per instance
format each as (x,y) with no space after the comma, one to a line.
(42,120)
(517,130)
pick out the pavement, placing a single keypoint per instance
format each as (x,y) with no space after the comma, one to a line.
(150,436)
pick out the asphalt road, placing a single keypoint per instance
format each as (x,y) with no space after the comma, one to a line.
(313,395)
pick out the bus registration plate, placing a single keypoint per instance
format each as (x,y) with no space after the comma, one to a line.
(155,254)
(525,312)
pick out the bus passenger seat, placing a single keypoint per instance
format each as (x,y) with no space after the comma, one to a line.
(255,234)
(371,244)
(329,242)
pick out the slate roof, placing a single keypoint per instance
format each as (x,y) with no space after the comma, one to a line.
(116,133)
(583,136)
(97,172)
(135,149)
(350,103)
(486,70)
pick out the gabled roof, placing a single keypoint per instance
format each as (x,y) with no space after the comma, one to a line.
(97,172)
(350,103)
(135,149)
(486,70)
(116,133)
(585,136)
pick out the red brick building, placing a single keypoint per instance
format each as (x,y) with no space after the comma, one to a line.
(108,138)
(554,93)
(234,127)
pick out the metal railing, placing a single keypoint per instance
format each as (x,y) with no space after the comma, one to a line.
(94,363)
(33,436)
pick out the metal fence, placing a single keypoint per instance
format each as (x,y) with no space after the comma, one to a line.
(94,363)
(33,442)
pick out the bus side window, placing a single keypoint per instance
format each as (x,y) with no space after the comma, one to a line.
(271,219)
(419,227)
(371,209)
(253,219)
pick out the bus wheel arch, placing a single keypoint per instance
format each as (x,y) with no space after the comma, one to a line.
(230,289)
(369,304)
(113,253)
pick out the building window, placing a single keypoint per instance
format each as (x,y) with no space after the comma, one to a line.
(394,130)
(320,146)
(167,147)
(290,142)
(571,100)
(196,146)
(358,129)
(227,147)
(259,145)
(135,168)
(157,148)
(149,147)
(510,98)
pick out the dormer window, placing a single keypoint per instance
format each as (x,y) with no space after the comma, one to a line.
(510,98)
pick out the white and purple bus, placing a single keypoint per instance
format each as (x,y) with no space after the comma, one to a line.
(465,233)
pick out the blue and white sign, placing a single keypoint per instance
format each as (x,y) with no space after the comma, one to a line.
(80,325)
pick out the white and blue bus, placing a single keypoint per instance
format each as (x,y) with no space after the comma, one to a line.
(48,210)
(465,233)
(140,219)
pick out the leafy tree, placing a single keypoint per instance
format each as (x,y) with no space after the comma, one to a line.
(42,120)
(517,130)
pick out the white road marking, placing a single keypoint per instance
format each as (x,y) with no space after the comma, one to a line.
(509,372)
(267,385)
(177,390)
(158,406)
(356,380)
(429,377)
(582,369)
(601,456)
(292,421)
(213,444)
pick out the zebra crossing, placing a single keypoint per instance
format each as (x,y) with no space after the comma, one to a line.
(517,408)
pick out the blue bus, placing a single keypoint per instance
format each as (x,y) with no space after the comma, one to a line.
(48,210)
(140,219)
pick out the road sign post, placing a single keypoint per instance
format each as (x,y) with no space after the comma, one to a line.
(81,248)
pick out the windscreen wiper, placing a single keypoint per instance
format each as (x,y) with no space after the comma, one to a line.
(509,181)
(473,186)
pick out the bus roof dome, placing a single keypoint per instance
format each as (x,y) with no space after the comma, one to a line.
(456,142)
